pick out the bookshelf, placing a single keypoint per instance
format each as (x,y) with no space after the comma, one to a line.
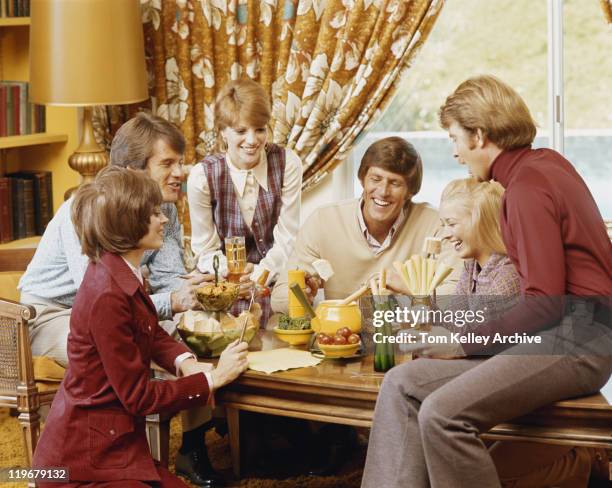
(14,21)
(27,243)
(31,140)
(44,151)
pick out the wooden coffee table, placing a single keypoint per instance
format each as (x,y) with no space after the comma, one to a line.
(340,391)
(344,391)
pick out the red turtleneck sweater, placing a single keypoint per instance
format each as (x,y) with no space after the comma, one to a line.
(554,235)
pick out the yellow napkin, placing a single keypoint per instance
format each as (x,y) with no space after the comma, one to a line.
(280,360)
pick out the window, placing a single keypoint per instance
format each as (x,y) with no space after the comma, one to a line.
(507,38)
(588,97)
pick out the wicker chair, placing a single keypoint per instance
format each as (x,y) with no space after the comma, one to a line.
(17,386)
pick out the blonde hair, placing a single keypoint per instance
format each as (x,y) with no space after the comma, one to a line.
(113,212)
(487,103)
(483,201)
(238,101)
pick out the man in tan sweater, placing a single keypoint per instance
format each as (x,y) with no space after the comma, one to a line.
(360,237)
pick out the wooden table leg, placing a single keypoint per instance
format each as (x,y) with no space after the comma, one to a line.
(233,426)
(158,435)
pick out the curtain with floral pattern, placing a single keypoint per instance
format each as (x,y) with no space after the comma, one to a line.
(330,66)
(606,5)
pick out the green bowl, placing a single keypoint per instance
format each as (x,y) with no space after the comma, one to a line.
(212,344)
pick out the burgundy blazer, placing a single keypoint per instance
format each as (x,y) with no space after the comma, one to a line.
(96,426)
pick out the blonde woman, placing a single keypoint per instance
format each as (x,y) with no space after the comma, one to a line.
(250,188)
(470,210)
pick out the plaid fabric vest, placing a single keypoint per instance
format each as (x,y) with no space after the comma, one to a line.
(227,216)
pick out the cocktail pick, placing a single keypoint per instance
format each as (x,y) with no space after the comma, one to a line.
(216,268)
(246,316)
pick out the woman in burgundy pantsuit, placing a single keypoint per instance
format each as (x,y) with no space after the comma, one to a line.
(96,426)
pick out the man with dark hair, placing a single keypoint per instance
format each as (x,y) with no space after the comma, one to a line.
(151,144)
(362,236)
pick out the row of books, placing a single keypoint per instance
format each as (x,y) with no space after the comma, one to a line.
(26,204)
(14,8)
(18,116)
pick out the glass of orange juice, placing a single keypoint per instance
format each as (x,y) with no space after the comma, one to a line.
(235,252)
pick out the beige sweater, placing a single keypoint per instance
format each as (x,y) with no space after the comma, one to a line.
(332,232)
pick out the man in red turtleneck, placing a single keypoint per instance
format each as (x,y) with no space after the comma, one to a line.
(430,412)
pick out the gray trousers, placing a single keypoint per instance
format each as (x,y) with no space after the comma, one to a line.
(430,412)
(49,330)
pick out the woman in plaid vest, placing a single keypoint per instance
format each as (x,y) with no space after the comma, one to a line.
(251,188)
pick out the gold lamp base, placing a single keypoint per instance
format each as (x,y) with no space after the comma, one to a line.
(89,157)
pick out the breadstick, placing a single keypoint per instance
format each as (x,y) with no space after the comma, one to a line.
(411,271)
(373,287)
(442,273)
(401,269)
(355,295)
(431,271)
(421,275)
(382,285)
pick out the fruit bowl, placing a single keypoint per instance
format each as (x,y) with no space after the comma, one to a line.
(219,297)
(339,350)
(294,337)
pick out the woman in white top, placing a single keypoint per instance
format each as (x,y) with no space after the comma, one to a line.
(251,188)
